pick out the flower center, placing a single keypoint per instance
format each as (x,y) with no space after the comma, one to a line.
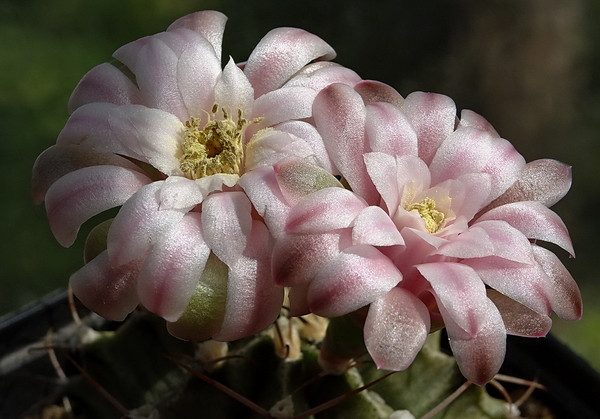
(434,219)
(215,148)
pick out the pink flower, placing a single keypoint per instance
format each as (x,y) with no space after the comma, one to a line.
(439,229)
(167,136)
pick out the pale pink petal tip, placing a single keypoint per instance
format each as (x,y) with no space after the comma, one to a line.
(566,297)
(110,292)
(282,53)
(518,319)
(480,356)
(358,276)
(325,210)
(396,328)
(340,116)
(374,91)
(208,23)
(546,181)
(79,195)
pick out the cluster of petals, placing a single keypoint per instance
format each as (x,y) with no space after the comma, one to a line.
(191,249)
(355,198)
(437,227)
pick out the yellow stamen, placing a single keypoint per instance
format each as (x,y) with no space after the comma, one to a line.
(215,148)
(434,219)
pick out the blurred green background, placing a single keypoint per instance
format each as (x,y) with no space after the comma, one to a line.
(531,67)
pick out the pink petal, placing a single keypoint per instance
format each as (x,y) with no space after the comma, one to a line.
(412,175)
(156,75)
(79,195)
(263,190)
(566,297)
(339,115)
(177,73)
(56,161)
(388,130)
(518,319)
(296,259)
(508,242)
(475,328)
(505,167)
(473,243)
(153,136)
(325,210)
(148,135)
(233,91)
(375,91)
(545,181)
(358,276)
(466,150)
(381,168)
(253,300)
(179,40)
(280,54)
(208,23)
(321,74)
(469,150)
(128,53)
(283,105)
(139,224)
(535,221)
(110,292)
(171,270)
(419,246)
(396,329)
(373,226)
(309,134)
(479,356)
(460,291)
(227,222)
(526,284)
(468,193)
(469,118)
(433,117)
(179,193)
(268,147)
(89,126)
(104,83)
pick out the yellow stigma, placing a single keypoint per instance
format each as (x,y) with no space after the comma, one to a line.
(215,148)
(434,219)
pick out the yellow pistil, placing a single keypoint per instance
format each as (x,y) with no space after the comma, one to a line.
(434,219)
(215,148)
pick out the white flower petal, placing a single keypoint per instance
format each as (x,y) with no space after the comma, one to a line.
(139,224)
(253,299)
(104,83)
(171,270)
(227,222)
(79,195)
(208,23)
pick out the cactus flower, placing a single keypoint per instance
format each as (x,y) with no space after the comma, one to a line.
(166,135)
(438,229)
